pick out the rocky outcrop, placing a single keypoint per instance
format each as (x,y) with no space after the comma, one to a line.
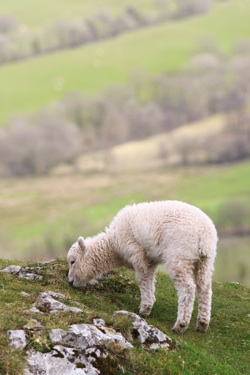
(85,336)
(82,349)
(23,272)
(149,336)
(76,350)
(47,302)
(61,361)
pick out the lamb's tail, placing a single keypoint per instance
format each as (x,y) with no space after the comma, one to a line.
(204,271)
(207,252)
(208,242)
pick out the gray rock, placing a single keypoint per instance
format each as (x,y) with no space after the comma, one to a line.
(17,338)
(29,276)
(33,325)
(99,322)
(148,335)
(56,295)
(60,361)
(77,349)
(33,310)
(47,304)
(22,272)
(24,294)
(12,269)
(83,336)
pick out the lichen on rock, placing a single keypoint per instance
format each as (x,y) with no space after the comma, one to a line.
(148,335)
(46,303)
(22,272)
(83,336)
(61,360)
(17,338)
(77,350)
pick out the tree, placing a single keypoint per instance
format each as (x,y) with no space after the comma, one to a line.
(7,23)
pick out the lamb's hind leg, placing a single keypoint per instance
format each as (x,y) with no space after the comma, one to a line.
(185,286)
(204,272)
(146,280)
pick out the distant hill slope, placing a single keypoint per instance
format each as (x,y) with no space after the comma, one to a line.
(224,349)
(47,11)
(43,216)
(30,85)
(166,149)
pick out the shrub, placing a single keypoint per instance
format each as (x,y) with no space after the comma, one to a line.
(232,214)
(27,150)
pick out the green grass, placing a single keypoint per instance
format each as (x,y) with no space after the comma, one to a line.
(41,217)
(210,190)
(224,349)
(46,11)
(232,262)
(30,85)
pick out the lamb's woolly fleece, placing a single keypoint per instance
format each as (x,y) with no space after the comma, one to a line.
(145,235)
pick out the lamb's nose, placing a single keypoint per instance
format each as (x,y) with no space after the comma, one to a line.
(70,282)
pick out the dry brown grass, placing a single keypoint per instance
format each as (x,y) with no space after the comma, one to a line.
(153,152)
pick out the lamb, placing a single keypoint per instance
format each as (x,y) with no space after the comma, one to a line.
(144,235)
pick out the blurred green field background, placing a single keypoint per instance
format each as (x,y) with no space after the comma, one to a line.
(27,86)
(45,12)
(42,217)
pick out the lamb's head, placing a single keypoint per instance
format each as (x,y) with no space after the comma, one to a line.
(79,271)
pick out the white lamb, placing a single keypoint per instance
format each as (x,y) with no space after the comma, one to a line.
(141,237)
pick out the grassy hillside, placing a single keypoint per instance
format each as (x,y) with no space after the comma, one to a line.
(53,206)
(153,152)
(224,349)
(29,85)
(41,217)
(47,11)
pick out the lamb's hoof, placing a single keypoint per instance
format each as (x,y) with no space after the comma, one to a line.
(201,326)
(179,328)
(145,310)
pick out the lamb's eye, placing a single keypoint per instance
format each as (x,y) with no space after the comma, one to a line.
(72,262)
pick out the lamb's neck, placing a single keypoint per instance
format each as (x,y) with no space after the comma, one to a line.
(102,255)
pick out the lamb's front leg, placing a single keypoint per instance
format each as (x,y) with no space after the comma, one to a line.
(146,282)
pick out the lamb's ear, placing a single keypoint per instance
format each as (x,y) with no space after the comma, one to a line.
(81,243)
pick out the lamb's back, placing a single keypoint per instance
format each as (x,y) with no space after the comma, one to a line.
(157,226)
